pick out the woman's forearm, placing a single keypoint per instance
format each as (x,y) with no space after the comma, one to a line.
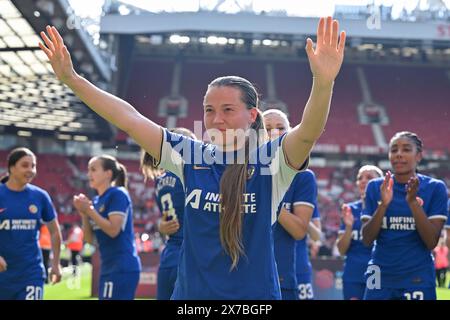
(344,240)
(300,140)
(428,232)
(371,228)
(87,230)
(120,113)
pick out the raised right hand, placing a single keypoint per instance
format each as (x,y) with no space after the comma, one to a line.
(3,264)
(58,55)
(386,189)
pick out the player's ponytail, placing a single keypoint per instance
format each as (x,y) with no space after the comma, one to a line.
(121,178)
(233,181)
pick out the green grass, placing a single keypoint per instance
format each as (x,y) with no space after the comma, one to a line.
(70,287)
(444,293)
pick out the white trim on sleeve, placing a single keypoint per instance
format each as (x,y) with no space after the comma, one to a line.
(438,216)
(304,203)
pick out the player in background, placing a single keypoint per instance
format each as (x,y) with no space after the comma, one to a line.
(303,261)
(109,216)
(75,245)
(440,254)
(22,208)
(227,251)
(349,241)
(300,201)
(170,198)
(404,212)
(45,243)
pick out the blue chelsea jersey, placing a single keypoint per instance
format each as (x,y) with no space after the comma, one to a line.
(399,252)
(302,191)
(358,255)
(170,198)
(205,268)
(119,254)
(21,213)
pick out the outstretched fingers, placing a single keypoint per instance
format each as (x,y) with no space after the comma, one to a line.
(328,34)
(328,31)
(58,37)
(334,34)
(309,48)
(321,31)
(48,42)
(46,50)
(341,46)
(53,38)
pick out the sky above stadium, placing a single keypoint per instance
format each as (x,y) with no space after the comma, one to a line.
(294,8)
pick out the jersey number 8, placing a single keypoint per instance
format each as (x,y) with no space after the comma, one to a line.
(168,210)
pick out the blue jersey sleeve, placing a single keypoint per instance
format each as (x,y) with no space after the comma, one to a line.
(280,170)
(48,210)
(316,212)
(178,150)
(305,189)
(439,202)
(371,200)
(118,203)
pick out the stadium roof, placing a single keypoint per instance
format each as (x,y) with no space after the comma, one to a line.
(32,100)
(20,23)
(146,23)
(18,42)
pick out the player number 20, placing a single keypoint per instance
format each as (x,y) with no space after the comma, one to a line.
(33,293)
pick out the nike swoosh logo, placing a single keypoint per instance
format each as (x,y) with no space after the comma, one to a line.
(2,209)
(201,168)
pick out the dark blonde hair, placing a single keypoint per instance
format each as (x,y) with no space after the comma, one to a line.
(233,181)
(369,167)
(147,162)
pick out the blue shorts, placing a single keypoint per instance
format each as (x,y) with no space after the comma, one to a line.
(166,283)
(353,290)
(289,294)
(118,286)
(31,290)
(413,293)
(305,291)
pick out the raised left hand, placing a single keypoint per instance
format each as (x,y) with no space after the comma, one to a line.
(326,59)
(411,189)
